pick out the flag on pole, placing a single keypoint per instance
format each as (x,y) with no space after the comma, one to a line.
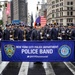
(41,20)
(8,9)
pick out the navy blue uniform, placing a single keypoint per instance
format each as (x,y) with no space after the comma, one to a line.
(21,35)
(6,35)
(16,32)
(35,35)
(54,34)
(73,34)
(68,34)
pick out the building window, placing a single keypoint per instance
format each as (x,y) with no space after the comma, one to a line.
(61,9)
(61,13)
(61,0)
(57,10)
(53,11)
(57,14)
(69,8)
(69,19)
(68,3)
(61,4)
(52,15)
(57,5)
(53,6)
(70,13)
(71,3)
(53,2)
(61,20)
(57,1)
(61,24)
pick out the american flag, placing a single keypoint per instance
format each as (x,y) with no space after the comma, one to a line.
(41,20)
(8,9)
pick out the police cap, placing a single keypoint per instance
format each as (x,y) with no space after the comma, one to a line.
(7,25)
(21,24)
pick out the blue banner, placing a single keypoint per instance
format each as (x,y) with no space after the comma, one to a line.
(15,21)
(32,51)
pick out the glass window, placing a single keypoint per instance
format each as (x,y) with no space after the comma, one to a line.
(68,3)
(53,6)
(71,13)
(61,13)
(61,4)
(61,9)
(57,14)
(69,19)
(57,1)
(67,13)
(61,20)
(71,3)
(57,10)
(52,15)
(61,0)
(57,5)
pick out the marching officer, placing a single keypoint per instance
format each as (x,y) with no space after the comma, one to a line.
(35,35)
(21,35)
(73,33)
(28,31)
(16,31)
(54,33)
(6,33)
(68,33)
(63,35)
(12,32)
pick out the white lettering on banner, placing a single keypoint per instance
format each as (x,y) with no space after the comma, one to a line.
(18,46)
(27,51)
(46,51)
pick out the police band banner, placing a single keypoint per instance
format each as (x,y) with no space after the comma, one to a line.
(32,51)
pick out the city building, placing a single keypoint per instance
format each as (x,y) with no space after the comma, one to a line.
(61,12)
(43,10)
(19,10)
(6,13)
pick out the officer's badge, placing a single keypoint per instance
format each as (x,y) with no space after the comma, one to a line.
(9,50)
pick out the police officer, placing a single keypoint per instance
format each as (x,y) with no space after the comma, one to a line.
(47,33)
(28,33)
(63,35)
(36,36)
(12,32)
(21,34)
(68,33)
(6,33)
(73,33)
(16,31)
(54,33)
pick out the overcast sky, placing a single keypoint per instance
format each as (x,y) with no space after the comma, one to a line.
(32,4)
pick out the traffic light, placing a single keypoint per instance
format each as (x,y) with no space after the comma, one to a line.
(5,4)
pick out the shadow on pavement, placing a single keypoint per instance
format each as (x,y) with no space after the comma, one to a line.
(36,69)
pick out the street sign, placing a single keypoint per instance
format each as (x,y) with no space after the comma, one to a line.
(16,21)
(32,51)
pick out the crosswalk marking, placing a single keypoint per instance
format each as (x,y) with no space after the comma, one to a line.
(2,66)
(48,68)
(24,68)
(70,66)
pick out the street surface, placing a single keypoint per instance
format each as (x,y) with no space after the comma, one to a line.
(47,68)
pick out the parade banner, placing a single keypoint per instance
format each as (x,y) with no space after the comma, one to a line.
(42,51)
